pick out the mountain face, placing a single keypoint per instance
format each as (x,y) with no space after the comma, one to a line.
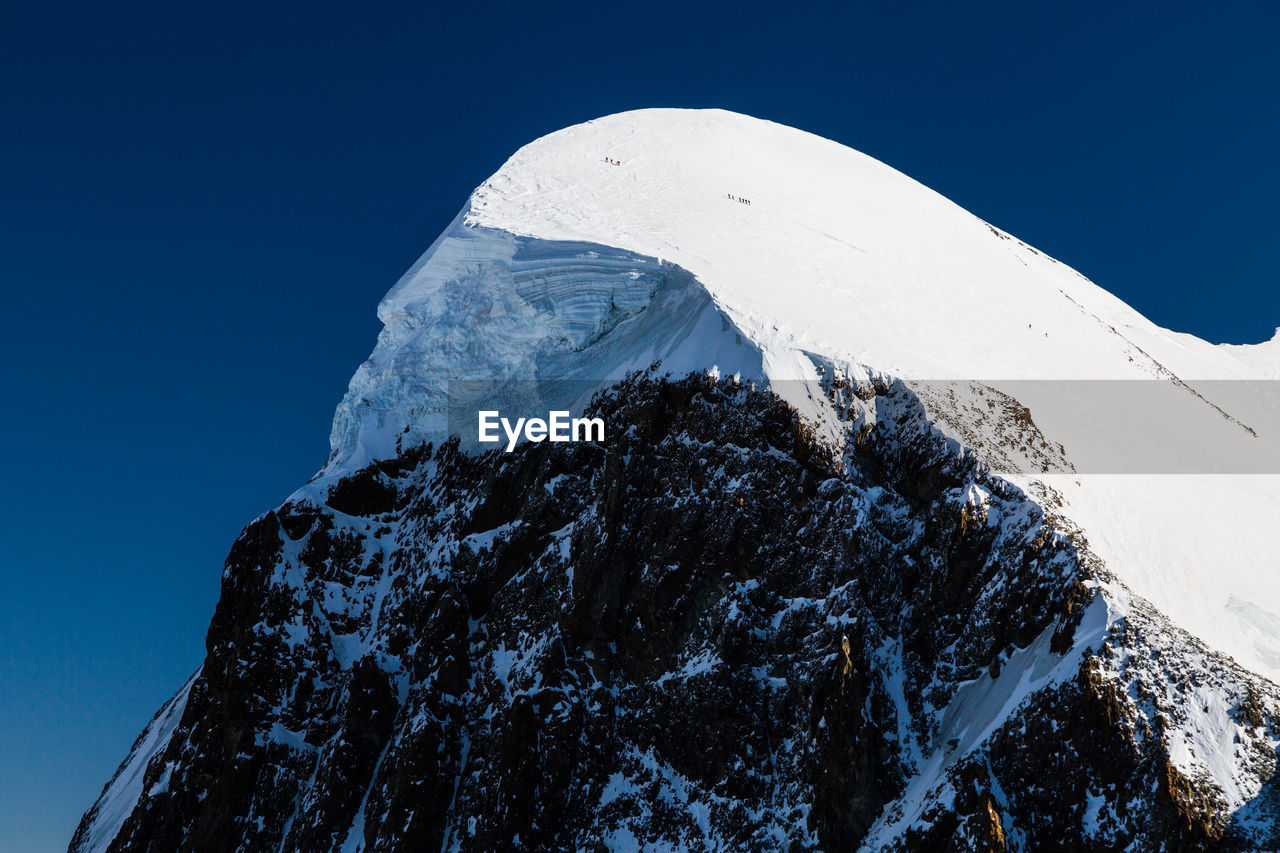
(787,603)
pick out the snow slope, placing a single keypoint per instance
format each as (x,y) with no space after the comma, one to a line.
(567,265)
(124,790)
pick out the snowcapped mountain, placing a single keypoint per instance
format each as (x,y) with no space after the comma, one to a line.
(846,572)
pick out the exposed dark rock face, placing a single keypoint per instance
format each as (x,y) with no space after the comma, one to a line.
(712,631)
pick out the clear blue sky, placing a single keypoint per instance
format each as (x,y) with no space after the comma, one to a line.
(202,205)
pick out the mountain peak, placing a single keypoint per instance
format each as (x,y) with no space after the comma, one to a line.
(703,240)
(789,247)
(816,619)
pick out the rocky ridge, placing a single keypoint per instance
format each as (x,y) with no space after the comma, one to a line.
(713,631)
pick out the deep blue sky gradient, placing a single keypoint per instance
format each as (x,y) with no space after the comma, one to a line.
(202,205)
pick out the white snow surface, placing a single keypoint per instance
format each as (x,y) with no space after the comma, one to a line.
(564,265)
(979,708)
(124,790)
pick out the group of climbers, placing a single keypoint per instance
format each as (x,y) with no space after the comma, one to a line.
(730,196)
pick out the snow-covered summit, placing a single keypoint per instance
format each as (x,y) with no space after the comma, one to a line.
(806,246)
(904,278)
(706,239)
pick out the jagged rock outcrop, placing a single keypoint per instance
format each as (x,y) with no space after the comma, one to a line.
(711,631)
